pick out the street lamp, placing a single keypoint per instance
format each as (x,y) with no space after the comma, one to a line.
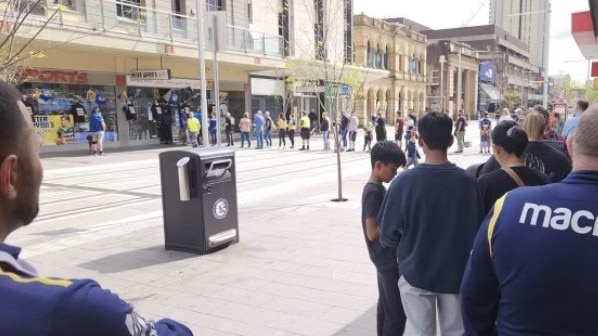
(202,70)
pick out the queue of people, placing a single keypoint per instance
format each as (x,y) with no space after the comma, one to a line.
(504,248)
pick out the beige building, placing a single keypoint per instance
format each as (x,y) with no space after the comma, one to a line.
(391,47)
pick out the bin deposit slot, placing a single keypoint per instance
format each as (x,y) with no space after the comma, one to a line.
(184,180)
(218,171)
(222,238)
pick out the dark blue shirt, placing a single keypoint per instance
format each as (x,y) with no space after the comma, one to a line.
(411,149)
(33,305)
(431,214)
(533,268)
(371,201)
(212,125)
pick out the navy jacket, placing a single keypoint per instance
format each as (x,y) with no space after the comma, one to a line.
(431,214)
(32,305)
(533,269)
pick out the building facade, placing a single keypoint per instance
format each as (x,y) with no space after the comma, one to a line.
(446,58)
(527,20)
(400,52)
(516,77)
(123,56)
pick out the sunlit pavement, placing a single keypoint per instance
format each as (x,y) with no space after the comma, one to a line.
(301,267)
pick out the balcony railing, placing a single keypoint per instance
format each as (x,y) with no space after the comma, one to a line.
(129,21)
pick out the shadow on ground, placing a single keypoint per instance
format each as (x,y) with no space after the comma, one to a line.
(364,325)
(135,259)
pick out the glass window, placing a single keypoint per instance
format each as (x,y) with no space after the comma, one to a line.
(129,9)
(61,112)
(70,4)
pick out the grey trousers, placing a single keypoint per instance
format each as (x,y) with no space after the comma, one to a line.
(421,307)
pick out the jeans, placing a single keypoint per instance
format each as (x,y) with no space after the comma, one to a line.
(292,137)
(245,136)
(344,133)
(229,137)
(193,138)
(213,138)
(268,137)
(259,138)
(326,140)
(390,317)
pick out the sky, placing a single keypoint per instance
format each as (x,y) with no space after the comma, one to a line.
(564,57)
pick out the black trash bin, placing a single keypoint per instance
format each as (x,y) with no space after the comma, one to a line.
(199,199)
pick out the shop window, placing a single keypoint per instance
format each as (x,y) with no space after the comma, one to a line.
(130,9)
(61,111)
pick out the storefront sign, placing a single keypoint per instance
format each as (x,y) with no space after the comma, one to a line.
(163,74)
(487,72)
(52,76)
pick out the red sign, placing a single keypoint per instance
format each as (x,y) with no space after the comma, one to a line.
(53,76)
(594,69)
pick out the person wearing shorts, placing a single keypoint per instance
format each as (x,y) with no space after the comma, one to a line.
(399,126)
(305,124)
(96,129)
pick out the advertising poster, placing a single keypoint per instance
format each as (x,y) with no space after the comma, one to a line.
(54,129)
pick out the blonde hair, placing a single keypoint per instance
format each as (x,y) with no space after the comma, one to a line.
(586,138)
(505,111)
(533,125)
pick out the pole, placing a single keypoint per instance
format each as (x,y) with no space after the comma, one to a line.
(217,111)
(459,79)
(202,71)
(546,52)
(442,107)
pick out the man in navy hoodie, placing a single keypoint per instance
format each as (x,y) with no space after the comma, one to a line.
(431,215)
(33,305)
(533,268)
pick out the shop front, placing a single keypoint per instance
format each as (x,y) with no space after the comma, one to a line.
(61,102)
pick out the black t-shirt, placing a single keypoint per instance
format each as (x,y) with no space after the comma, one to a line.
(371,201)
(460,127)
(78,112)
(495,184)
(542,157)
(228,124)
(380,123)
(324,125)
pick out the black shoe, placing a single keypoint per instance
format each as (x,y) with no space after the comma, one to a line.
(307,147)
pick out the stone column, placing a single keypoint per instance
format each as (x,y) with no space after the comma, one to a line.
(450,89)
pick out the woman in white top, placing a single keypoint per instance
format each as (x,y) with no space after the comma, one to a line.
(506,115)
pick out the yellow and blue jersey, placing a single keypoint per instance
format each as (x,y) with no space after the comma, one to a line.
(533,268)
(33,305)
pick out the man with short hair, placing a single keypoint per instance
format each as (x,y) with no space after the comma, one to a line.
(34,305)
(532,270)
(431,214)
(258,123)
(353,125)
(571,122)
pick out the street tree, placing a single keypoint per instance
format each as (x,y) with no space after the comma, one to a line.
(21,24)
(319,63)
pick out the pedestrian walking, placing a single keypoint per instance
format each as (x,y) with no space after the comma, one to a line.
(268,129)
(399,129)
(352,127)
(258,124)
(282,127)
(413,155)
(97,126)
(193,126)
(460,132)
(367,138)
(380,128)
(229,124)
(434,210)
(386,158)
(305,124)
(291,125)
(213,129)
(245,128)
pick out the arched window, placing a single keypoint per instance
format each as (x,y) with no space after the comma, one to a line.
(378,58)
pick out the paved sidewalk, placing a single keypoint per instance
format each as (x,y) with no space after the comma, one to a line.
(301,267)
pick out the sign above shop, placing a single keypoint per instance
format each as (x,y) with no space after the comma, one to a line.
(163,74)
(52,76)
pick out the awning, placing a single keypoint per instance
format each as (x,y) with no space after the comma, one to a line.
(491,91)
(582,29)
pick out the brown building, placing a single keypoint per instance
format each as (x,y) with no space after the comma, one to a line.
(394,47)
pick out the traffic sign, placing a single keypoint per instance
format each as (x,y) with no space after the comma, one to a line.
(345,89)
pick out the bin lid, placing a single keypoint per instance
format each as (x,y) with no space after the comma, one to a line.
(203,153)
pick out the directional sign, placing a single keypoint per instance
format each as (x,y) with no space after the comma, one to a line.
(345,89)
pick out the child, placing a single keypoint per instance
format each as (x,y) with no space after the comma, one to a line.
(367,138)
(408,135)
(386,158)
(485,139)
(412,153)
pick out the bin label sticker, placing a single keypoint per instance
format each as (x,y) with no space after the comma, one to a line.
(220,208)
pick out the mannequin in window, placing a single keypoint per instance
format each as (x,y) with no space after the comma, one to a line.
(78,112)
